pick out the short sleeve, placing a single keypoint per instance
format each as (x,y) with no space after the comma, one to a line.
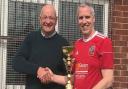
(106,54)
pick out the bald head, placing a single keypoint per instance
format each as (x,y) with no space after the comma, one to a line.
(48,8)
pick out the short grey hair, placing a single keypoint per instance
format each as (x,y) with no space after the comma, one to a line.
(86,4)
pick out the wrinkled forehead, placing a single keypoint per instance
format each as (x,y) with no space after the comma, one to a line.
(84,11)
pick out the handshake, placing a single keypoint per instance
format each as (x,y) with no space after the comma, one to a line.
(45,75)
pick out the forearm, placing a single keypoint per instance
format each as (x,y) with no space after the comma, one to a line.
(21,63)
(23,66)
(59,79)
(104,84)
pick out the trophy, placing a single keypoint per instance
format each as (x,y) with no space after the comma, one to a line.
(68,63)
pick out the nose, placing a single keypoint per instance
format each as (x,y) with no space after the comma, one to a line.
(48,20)
(84,20)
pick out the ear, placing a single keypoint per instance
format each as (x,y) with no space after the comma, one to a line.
(76,20)
(39,18)
(94,19)
(56,19)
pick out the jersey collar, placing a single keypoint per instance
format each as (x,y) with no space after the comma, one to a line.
(91,37)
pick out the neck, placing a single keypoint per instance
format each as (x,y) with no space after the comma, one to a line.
(86,36)
(47,34)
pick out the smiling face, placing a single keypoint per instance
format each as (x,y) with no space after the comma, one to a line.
(86,20)
(48,19)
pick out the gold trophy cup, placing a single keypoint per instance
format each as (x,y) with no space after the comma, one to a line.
(68,64)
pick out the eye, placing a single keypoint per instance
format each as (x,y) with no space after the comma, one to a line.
(87,17)
(52,18)
(44,17)
(81,17)
(48,17)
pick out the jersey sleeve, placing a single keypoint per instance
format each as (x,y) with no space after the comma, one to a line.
(106,54)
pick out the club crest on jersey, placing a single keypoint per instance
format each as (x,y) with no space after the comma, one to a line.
(92,50)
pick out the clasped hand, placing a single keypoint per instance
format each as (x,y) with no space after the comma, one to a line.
(45,75)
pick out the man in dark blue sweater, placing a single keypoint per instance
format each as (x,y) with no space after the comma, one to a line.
(42,49)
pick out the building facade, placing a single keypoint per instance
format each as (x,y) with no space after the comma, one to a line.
(19,17)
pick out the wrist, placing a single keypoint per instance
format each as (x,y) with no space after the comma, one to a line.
(53,77)
(66,78)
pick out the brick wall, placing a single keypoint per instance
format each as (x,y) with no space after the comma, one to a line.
(120,42)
